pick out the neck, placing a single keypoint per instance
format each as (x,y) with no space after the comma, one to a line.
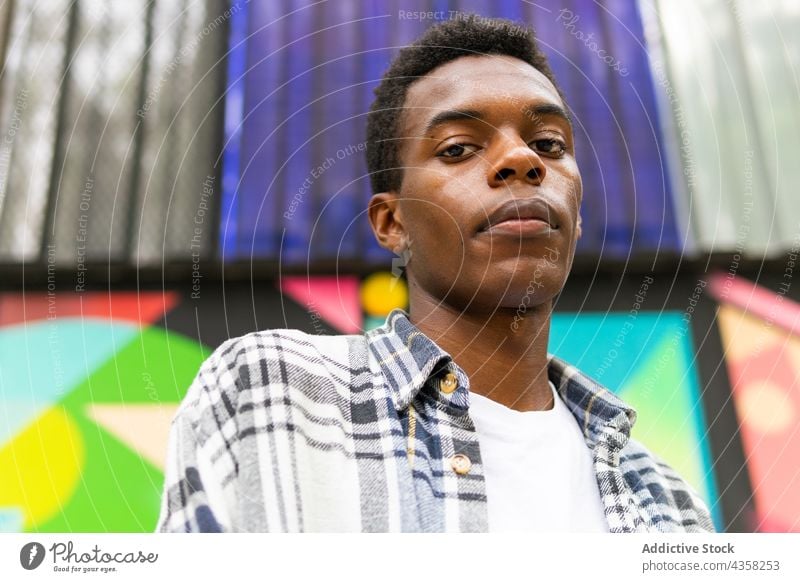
(504,352)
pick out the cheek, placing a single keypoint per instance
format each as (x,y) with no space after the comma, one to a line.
(433,216)
(574,187)
(567,190)
(436,240)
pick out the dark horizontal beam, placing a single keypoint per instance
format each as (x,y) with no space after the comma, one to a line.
(101,275)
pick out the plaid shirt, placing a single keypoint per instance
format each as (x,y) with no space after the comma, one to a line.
(283,431)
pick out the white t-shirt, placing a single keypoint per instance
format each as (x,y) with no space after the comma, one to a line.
(538,469)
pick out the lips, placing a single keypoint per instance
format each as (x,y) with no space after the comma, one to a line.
(533,212)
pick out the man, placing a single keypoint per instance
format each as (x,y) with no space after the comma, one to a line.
(451,417)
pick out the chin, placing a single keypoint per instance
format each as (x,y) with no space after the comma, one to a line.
(521,295)
(529,298)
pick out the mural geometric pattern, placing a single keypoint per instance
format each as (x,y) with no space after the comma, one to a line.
(79,381)
(77,386)
(761,336)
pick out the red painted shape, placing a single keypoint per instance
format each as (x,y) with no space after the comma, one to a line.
(756,300)
(142,308)
(771,456)
(335,299)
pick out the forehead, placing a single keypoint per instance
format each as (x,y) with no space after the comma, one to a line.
(474,81)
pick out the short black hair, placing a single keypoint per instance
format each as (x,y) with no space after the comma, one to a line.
(467,35)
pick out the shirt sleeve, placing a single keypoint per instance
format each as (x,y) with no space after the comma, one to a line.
(671,495)
(695,513)
(199,457)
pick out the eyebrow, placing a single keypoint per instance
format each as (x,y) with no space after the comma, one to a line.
(450,115)
(548,109)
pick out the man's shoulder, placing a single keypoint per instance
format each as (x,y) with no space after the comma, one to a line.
(273,345)
(669,501)
(287,357)
(648,466)
(668,496)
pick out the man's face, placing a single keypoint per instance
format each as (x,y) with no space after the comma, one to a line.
(491,190)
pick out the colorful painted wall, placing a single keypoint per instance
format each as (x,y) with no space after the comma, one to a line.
(89,383)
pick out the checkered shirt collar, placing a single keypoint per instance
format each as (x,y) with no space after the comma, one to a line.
(409,359)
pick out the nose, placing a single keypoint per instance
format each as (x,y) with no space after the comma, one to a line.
(516,160)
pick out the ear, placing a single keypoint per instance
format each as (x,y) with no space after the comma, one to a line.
(386,218)
(578,229)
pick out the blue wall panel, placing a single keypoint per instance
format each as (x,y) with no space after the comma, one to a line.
(302,185)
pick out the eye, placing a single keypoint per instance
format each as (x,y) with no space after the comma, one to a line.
(457,150)
(551,146)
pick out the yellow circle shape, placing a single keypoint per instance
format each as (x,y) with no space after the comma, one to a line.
(766,407)
(381,292)
(41,466)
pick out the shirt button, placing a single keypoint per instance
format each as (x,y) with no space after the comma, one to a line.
(460,464)
(449,383)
